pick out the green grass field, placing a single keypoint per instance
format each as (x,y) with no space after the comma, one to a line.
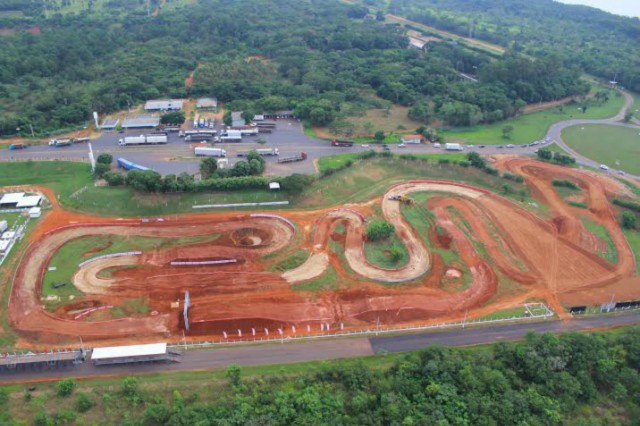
(531,127)
(338,161)
(617,147)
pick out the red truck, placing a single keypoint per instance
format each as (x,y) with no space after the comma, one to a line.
(342,142)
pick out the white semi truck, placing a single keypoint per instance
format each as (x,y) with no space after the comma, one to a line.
(245,130)
(453,147)
(143,140)
(230,136)
(60,142)
(262,151)
(209,152)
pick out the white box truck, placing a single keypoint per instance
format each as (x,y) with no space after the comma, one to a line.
(453,147)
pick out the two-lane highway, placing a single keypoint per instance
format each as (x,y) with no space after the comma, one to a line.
(289,352)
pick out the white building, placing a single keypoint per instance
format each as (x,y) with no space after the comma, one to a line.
(35,212)
(411,139)
(164,105)
(11,199)
(3,226)
(29,201)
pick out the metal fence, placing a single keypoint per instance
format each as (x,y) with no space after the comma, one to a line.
(107,256)
(340,332)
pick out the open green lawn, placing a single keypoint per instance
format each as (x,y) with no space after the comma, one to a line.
(531,127)
(335,161)
(338,161)
(617,147)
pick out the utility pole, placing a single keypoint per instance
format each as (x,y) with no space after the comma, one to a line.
(32,133)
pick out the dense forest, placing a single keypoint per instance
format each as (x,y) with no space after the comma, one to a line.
(323,59)
(573,379)
(600,43)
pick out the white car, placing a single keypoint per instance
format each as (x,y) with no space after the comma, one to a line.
(436,145)
(604,167)
(511,145)
(365,146)
(401,145)
(471,146)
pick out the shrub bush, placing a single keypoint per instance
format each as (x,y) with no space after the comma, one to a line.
(378,230)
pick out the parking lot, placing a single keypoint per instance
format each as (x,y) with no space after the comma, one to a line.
(177,156)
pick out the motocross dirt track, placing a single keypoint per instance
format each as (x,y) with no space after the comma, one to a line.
(548,258)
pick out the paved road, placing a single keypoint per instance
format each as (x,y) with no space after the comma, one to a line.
(317,350)
(555,132)
(177,155)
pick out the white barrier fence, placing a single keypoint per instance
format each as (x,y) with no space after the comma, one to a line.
(340,332)
(273,216)
(107,256)
(203,262)
(221,206)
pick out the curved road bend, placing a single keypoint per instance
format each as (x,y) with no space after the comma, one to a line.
(327,349)
(555,131)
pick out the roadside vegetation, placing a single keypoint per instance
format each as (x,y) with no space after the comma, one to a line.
(598,376)
(369,175)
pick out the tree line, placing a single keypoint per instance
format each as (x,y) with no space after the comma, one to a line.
(597,42)
(574,378)
(325,60)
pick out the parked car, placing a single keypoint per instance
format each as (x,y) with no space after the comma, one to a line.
(401,145)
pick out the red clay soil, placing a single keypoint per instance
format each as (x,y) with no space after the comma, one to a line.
(548,258)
